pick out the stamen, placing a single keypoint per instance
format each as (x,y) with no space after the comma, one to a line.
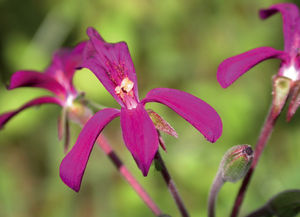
(118,90)
(127,85)
(124,91)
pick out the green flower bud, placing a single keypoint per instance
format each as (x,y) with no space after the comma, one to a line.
(234,166)
(236,163)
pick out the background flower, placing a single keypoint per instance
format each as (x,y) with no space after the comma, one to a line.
(57,79)
(232,68)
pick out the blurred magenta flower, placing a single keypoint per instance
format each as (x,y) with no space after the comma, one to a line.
(232,68)
(57,79)
(113,66)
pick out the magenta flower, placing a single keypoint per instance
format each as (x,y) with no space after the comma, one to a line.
(57,79)
(232,68)
(112,65)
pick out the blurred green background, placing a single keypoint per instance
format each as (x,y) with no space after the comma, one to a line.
(176,44)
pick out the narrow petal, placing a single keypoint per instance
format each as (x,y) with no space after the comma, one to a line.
(36,79)
(73,165)
(140,136)
(197,112)
(110,62)
(290,16)
(234,67)
(4,118)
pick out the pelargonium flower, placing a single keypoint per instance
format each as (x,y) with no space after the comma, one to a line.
(113,66)
(57,79)
(287,80)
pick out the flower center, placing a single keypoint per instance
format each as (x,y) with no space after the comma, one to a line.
(69,101)
(125,92)
(125,86)
(291,72)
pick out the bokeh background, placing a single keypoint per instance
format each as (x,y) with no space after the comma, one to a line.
(176,44)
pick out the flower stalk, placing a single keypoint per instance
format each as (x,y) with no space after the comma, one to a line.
(171,186)
(234,166)
(260,145)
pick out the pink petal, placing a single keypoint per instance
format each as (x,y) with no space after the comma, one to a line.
(73,165)
(74,60)
(290,16)
(197,112)
(110,62)
(140,136)
(64,63)
(36,79)
(234,67)
(4,118)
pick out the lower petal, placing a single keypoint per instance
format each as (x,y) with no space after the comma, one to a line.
(4,118)
(140,136)
(73,165)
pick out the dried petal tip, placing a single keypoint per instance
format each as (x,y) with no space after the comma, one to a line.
(161,124)
(236,163)
(281,89)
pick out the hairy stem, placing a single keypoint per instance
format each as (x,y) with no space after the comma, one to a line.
(107,149)
(216,186)
(171,186)
(260,145)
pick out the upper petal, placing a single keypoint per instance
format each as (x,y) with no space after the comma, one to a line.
(36,79)
(232,68)
(64,63)
(110,62)
(290,16)
(4,118)
(140,136)
(73,165)
(201,115)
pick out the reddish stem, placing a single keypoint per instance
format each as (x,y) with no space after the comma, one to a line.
(105,146)
(171,186)
(260,145)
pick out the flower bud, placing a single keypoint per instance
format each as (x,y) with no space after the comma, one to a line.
(236,163)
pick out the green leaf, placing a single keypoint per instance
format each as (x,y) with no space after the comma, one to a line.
(284,204)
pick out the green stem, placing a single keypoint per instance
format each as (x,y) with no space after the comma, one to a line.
(216,186)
